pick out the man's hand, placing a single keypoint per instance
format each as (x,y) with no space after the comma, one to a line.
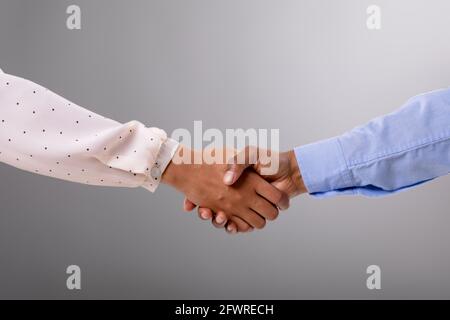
(248,202)
(287,179)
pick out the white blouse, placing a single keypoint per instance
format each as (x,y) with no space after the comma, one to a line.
(44,133)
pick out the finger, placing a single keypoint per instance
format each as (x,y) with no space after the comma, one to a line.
(238,163)
(219,220)
(253,218)
(240,224)
(205,213)
(188,205)
(264,208)
(272,194)
(231,227)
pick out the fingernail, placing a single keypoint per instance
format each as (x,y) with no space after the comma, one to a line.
(228,178)
(230,228)
(220,219)
(204,215)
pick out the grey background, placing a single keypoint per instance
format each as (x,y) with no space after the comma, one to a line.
(308,67)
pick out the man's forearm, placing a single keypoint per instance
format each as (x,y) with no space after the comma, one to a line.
(388,154)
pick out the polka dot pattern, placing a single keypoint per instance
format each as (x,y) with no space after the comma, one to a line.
(44,133)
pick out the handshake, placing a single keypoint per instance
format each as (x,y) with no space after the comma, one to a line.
(238,193)
(43,133)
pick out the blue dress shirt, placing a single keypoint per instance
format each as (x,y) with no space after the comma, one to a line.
(391,153)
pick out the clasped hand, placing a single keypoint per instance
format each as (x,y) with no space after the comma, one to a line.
(236,194)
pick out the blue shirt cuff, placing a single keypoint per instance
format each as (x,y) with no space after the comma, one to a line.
(323,166)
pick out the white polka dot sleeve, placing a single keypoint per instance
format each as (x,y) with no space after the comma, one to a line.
(44,133)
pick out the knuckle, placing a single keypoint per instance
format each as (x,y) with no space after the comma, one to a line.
(239,197)
(227,206)
(254,202)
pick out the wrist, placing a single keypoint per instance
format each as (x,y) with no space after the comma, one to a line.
(296,174)
(175,170)
(180,170)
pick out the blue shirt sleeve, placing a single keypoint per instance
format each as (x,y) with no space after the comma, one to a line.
(391,153)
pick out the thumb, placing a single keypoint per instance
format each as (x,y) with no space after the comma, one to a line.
(233,173)
(238,163)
